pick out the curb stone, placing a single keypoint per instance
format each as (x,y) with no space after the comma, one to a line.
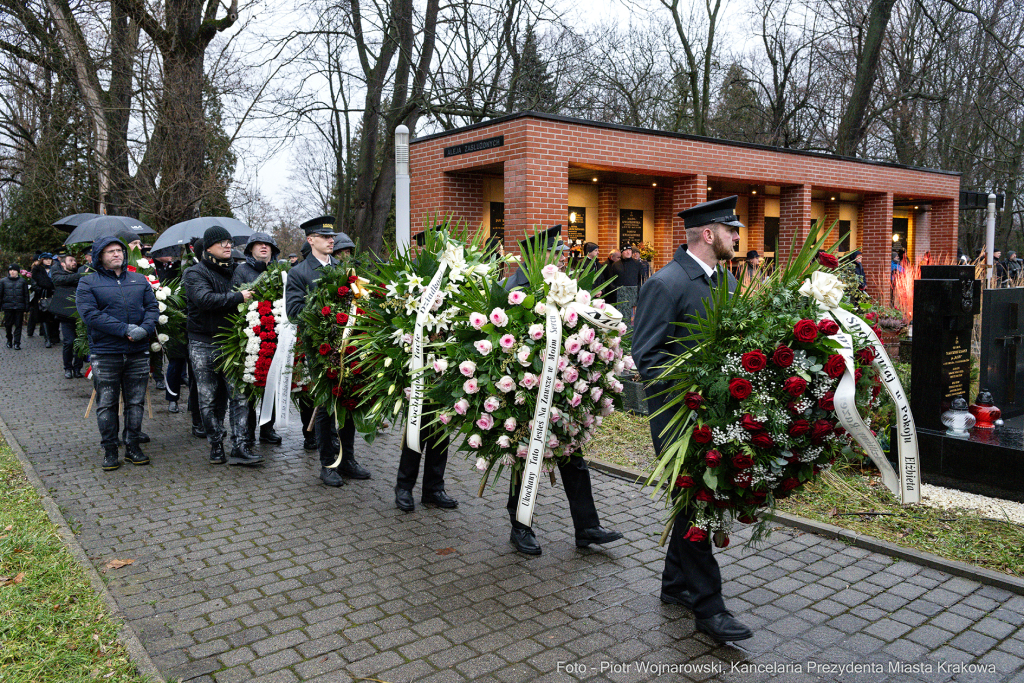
(126,635)
(984,576)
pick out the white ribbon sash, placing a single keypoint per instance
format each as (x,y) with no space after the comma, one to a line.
(608,319)
(277,391)
(541,416)
(909,485)
(413,425)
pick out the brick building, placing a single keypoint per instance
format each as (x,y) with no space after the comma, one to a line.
(612,184)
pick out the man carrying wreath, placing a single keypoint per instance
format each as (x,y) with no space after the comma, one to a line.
(677,294)
(301,280)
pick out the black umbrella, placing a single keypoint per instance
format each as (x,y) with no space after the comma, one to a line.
(182,233)
(69,223)
(95,228)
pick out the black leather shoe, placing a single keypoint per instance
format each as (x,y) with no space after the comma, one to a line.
(77,374)
(330,476)
(198,432)
(172,407)
(243,455)
(135,456)
(596,534)
(110,461)
(404,501)
(270,436)
(217,456)
(353,470)
(524,541)
(309,444)
(684,599)
(724,628)
(10,345)
(160,384)
(17,347)
(143,437)
(68,374)
(440,499)
(48,344)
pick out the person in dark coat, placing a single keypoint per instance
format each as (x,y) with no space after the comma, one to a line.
(858,269)
(14,304)
(434,444)
(120,312)
(675,295)
(575,474)
(43,286)
(189,259)
(65,276)
(210,302)
(606,283)
(627,269)
(301,280)
(260,251)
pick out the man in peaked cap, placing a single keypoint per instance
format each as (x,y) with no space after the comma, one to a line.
(301,279)
(575,474)
(674,295)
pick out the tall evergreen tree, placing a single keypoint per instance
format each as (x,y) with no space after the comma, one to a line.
(532,87)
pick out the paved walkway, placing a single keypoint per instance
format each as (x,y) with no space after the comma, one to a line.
(266,575)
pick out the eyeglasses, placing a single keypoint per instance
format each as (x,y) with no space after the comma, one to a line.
(225,243)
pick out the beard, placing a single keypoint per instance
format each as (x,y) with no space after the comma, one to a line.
(723,250)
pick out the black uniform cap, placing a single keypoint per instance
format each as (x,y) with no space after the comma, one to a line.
(324,225)
(420,238)
(716,211)
(550,239)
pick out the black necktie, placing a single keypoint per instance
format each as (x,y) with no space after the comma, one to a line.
(714,278)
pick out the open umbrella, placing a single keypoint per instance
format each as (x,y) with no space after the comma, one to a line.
(69,223)
(95,228)
(184,232)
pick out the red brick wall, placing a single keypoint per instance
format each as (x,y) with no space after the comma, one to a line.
(664,211)
(794,219)
(755,223)
(607,219)
(831,218)
(944,221)
(875,232)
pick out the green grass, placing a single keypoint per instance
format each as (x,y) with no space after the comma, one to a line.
(53,627)
(840,499)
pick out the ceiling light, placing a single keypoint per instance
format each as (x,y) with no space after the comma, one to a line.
(832,199)
(709,188)
(594,179)
(654,184)
(753,192)
(896,237)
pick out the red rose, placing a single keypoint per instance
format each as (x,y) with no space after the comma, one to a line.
(793,408)
(360,311)
(740,388)
(746,519)
(349,404)
(332,373)
(820,429)
(741,480)
(839,431)
(857,374)
(750,424)
(264,308)
(705,496)
(805,331)
(799,428)
(693,400)
(352,278)
(873,317)
(877,330)
(336,391)
(325,349)
(342,318)
(350,350)
(827,260)
(835,366)
(795,386)
(343,291)
(827,327)
(789,484)
(866,355)
(827,402)
(742,461)
(753,361)
(713,458)
(783,356)
(876,390)
(762,440)
(326,310)
(696,535)
(684,481)
(702,434)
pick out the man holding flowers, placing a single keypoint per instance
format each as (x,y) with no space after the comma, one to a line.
(679,293)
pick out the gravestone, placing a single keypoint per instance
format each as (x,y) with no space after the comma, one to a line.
(1002,351)
(946,299)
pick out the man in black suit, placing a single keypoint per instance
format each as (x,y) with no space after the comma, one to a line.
(673,295)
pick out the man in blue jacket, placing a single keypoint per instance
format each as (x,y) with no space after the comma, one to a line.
(120,312)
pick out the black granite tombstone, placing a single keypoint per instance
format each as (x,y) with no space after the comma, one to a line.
(1002,360)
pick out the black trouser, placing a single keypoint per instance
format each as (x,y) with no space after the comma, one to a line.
(327,435)
(156,365)
(689,566)
(175,370)
(217,396)
(47,325)
(253,421)
(112,375)
(193,396)
(434,441)
(72,361)
(576,482)
(12,323)
(305,416)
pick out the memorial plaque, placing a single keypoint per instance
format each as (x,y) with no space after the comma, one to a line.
(631,226)
(475,146)
(1002,360)
(956,366)
(498,220)
(577,225)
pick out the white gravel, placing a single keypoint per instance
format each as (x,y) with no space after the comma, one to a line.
(936,496)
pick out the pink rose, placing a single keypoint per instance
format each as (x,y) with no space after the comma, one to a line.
(522,451)
(510,424)
(536,331)
(471,386)
(595,394)
(507,341)
(563,363)
(515,298)
(477,320)
(575,400)
(570,316)
(467,368)
(552,442)
(570,374)
(485,421)
(529,381)
(559,386)
(474,441)
(523,355)
(504,441)
(440,366)
(586,359)
(587,334)
(573,345)
(483,347)
(491,403)
(606,355)
(445,418)
(498,317)
(505,384)
(461,406)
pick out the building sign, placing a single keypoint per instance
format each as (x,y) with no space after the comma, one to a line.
(475,146)
(498,220)
(577,225)
(631,226)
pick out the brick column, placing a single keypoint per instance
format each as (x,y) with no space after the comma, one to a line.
(921,237)
(536,197)
(943,225)
(664,240)
(755,223)
(831,219)
(686,193)
(607,219)
(463,201)
(794,219)
(876,243)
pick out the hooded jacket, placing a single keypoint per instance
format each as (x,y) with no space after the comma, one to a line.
(250,269)
(64,286)
(110,303)
(210,298)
